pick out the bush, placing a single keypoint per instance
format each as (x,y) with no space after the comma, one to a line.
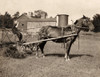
(96,22)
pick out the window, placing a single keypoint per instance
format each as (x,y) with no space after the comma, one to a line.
(22,24)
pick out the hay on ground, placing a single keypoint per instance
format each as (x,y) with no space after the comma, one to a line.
(12,51)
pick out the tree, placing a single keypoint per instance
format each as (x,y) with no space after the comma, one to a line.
(30,14)
(16,15)
(24,13)
(1,21)
(39,13)
(96,22)
(6,21)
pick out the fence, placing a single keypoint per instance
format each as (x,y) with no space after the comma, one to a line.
(6,35)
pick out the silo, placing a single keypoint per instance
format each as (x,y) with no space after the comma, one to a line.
(62,20)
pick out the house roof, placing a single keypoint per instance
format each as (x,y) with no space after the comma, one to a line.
(30,19)
(42,20)
(23,17)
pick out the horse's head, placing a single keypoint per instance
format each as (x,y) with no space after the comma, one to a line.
(84,23)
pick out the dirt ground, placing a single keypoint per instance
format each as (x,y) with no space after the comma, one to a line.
(85,61)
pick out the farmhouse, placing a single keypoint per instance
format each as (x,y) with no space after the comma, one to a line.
(30,24)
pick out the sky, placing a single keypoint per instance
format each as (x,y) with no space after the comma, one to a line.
(74,8)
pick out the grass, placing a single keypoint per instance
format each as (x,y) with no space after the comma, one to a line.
(85,61)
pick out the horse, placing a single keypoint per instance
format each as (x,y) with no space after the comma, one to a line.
(46,32)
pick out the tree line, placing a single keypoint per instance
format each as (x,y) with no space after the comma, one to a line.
(7,21)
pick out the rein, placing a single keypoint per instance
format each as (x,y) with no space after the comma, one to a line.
(78,27)
(78,42)
(62,33)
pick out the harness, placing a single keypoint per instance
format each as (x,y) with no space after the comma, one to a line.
(62,34)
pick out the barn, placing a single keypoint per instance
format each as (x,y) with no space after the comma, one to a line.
(29,24)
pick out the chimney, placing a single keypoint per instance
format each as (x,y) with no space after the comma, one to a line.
(30,14)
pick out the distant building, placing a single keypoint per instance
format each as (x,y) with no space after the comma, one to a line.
(30,24)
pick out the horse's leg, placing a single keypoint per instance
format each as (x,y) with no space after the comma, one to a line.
(68,47)
(37,50)
(20,37)
(42,47)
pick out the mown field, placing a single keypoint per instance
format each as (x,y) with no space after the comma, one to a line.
(85,61)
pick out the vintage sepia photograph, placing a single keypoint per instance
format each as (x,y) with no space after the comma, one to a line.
(49,38)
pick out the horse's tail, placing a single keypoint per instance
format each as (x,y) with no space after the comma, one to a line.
(43,29)
(43,32)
